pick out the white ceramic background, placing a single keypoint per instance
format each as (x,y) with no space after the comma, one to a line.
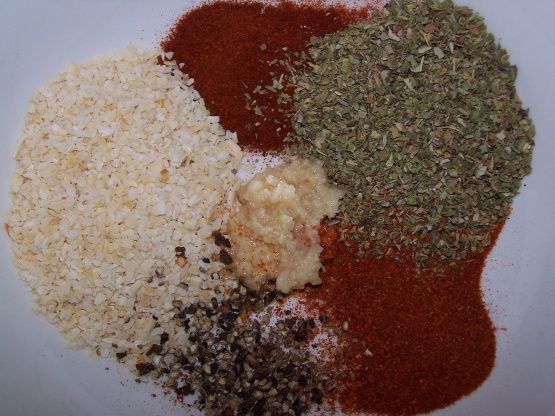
(39,377)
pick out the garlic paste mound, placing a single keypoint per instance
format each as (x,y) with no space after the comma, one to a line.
(274,226)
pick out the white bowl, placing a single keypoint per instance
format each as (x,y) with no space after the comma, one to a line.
(38,376)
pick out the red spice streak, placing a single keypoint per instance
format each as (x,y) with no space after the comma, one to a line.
(220,45)
(430,337)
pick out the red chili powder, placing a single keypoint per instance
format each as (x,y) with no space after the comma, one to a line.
(230,48)
(415,342)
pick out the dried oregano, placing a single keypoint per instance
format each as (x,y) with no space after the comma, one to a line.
(415,115)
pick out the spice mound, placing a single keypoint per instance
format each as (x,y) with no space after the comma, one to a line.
(237,362)
(119,164)
(410,340)
(415,114)
(274,225)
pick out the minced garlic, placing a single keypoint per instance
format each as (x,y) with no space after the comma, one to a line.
(273,228)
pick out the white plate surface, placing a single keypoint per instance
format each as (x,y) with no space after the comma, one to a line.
(38,376)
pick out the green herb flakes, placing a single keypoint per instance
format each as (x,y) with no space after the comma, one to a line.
(415,115)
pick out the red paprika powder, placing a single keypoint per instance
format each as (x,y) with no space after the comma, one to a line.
(415,341)
(230,48)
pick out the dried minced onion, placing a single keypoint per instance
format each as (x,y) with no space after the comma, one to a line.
(120,163)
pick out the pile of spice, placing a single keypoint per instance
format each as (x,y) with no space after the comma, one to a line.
(115,169)
(238,365)
(415,115)
(274,225)
(234,48)
(413,340)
